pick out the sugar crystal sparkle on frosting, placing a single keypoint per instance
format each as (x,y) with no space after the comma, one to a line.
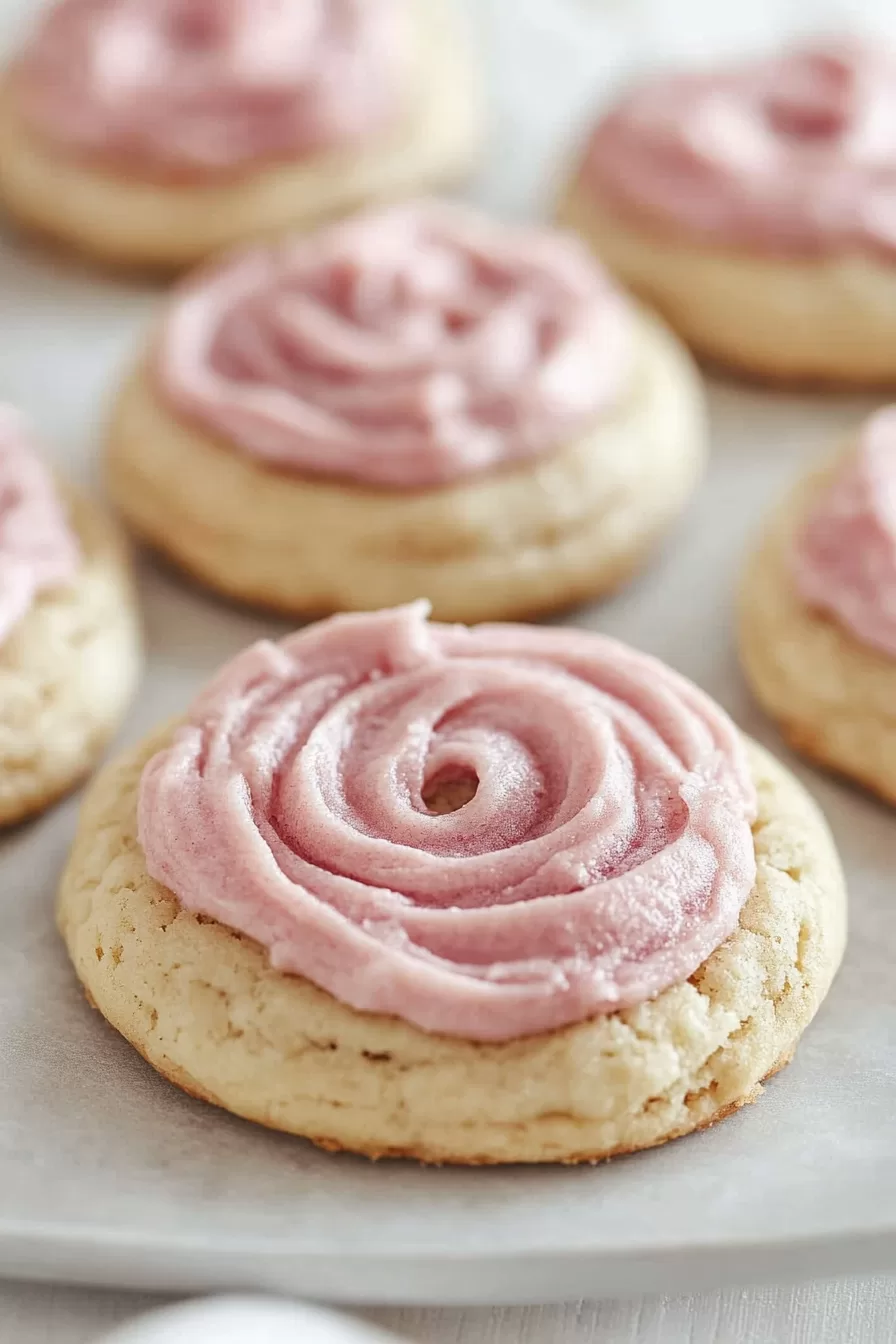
(198,87)
(605,850)
(795,153)
(844,557)
(406,348)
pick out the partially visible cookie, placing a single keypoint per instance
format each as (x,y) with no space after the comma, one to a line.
(818,615)
(743,202)
(234,1023)
(824,320)
(246,122)
(478,417)
(69,633)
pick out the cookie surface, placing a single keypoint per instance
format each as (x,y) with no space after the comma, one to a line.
(827,319)
(144,224)
(513,543)
(67,671)
(204,1006)
(833,697)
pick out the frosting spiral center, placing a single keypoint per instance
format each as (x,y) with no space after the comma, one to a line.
(195,87)
(489,832)
(37,548)
(405,348)
(791,154)
(844,557)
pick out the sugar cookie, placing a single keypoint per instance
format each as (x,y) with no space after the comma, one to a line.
(421,402)
(151,134)
(818,612)
(69,637)
(753,206)
(505,894)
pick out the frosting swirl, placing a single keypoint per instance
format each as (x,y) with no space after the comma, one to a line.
(37,548)
(791,154)
(598,850)
(199,87)
(844,557)
(404,348)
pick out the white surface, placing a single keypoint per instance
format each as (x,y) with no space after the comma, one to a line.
(107,1174)
(854,1311)
(245,1320)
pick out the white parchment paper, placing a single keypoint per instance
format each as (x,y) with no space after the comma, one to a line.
(109,1174)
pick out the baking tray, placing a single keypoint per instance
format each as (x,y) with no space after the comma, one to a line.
(110,1176)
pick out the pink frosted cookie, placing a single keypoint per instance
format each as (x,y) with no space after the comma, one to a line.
(69,644)
(421,401)
(170,128)
(473,895)
(755,205)
(819,611)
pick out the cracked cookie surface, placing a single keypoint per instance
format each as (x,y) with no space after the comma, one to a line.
(203,1005)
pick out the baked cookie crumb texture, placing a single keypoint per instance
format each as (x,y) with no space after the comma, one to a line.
(832,695)
(68,670)
(204,1006)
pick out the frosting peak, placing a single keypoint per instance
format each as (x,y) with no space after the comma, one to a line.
(488,832)
(193,87)
(793,153)
(403,348)
(37,549)
(844,558)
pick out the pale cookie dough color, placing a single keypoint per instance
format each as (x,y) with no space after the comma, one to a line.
(69,641)
(755,205)
(171,128)
(818,612)
(418,402)
(470,895)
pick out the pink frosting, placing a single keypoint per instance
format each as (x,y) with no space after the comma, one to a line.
(404,348)
(605,852)
(795,153)
(844,559)
(37,548)
(192,87)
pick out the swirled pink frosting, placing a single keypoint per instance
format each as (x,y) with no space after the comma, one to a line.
(405,348)
(605,852)
(37,548)
(193,87)
(795,153)
(844,557)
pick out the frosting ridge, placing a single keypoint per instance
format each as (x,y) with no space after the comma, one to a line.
(199,87)
(794,153)
(405,348)
(844,557)
(489,832)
